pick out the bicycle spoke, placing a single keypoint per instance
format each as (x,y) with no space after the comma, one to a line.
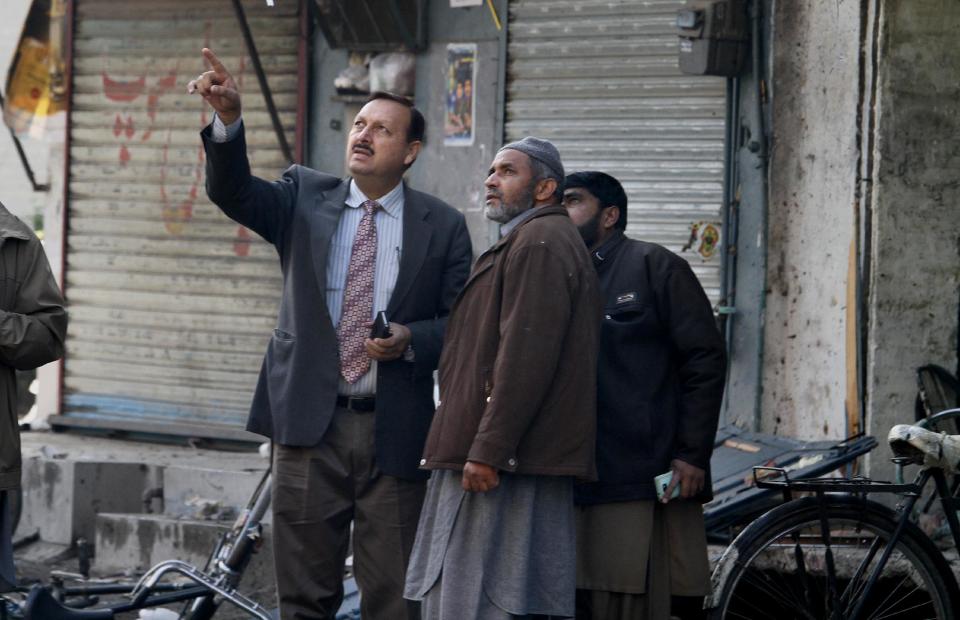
(773,593)
(825,559)
(772,588)
(857,580)
(916,588)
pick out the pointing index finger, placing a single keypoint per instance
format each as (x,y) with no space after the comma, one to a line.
(215,63)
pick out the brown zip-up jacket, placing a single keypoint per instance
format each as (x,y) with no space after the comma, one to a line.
(518,368)
(33,325)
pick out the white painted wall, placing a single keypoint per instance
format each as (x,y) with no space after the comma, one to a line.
(811,224)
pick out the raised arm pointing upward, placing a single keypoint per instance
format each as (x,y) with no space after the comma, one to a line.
(218,88)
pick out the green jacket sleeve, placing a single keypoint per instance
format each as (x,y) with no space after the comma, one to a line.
(32,332)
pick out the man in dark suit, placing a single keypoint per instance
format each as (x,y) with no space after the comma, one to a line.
(348,414)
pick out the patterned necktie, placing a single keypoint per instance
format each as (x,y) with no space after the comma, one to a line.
(358,298)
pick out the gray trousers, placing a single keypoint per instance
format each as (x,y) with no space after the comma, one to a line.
(318,491)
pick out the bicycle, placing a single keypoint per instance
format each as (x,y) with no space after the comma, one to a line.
(835,554)
(201,593)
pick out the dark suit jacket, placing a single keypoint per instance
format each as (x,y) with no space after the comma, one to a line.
(296,393)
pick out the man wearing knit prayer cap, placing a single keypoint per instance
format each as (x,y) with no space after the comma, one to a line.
(516,422)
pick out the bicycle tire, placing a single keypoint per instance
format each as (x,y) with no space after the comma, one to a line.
(777,567)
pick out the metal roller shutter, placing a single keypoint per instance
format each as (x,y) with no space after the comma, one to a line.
(171,304)
(600,78)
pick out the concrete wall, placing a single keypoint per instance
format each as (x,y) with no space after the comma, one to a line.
(916,208)
(811,216)
(453,173)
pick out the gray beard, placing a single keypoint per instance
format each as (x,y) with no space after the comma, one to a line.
(506,212)
(503,213)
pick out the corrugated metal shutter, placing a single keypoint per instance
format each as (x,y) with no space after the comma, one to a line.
(171,304)
(600,78)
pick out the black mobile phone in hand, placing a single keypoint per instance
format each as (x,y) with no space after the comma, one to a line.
(381,326)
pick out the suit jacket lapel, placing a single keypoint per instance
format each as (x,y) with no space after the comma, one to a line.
(326,217)
(416,239)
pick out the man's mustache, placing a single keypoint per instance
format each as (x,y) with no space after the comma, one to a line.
(365,148)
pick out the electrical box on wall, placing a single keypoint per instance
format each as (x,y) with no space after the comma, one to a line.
(713,37)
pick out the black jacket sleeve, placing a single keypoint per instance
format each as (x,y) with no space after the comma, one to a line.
(701,362)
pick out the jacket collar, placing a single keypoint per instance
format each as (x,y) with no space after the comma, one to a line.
(608,249)
(538,212)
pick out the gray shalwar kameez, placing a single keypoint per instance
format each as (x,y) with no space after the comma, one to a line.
(505,554)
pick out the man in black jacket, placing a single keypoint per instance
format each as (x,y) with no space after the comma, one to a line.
(660,383)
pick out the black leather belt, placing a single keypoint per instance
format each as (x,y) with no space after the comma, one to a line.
(357,403)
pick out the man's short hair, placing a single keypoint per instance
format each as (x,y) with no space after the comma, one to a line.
(541,171)
(606,188)
(418,125)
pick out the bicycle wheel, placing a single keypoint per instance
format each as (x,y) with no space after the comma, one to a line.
(779,567)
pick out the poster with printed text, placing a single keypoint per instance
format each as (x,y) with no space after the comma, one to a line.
(458,129)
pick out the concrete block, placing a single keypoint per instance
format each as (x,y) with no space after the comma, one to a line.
(61,498)
(190,492)
(133,543)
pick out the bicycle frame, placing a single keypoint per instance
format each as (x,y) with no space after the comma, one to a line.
(777,478)
(219,578)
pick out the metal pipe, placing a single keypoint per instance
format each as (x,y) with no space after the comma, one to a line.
(730,216)
(500,119)
(756,13)
(303,72)
(262,79)
(67,143)
(27,168)
(239,552)
(153,576)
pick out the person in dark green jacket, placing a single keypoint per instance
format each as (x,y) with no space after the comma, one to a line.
(33,325)
(660,382)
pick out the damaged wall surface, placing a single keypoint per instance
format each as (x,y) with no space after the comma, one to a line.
(915,271)
(811,223)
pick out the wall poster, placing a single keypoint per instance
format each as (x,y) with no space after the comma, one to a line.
(458,129)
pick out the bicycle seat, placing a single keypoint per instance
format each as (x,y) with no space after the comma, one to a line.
(41,605)
(926,447)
